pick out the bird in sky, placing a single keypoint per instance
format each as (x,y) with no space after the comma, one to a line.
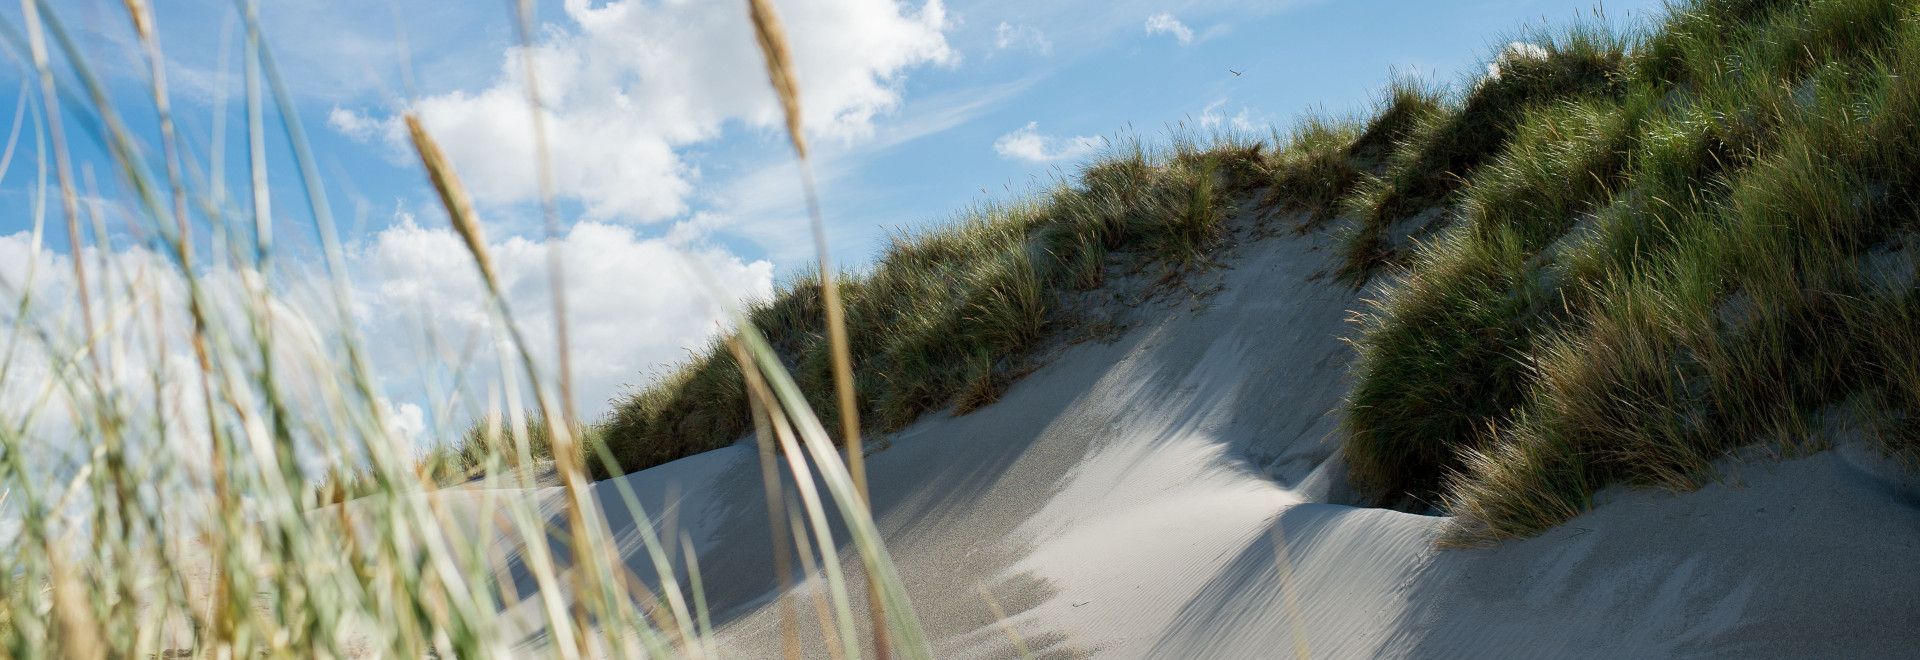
(1236,74)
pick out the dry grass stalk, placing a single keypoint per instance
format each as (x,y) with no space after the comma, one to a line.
(776,503)
(459,206)
(453,195)
(772,39)
(1000,617)
(79,631)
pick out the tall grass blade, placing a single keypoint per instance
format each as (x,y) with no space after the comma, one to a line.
(772,39)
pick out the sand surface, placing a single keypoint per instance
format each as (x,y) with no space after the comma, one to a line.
(1177,492)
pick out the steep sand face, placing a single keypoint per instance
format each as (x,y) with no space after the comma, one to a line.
(1178,493)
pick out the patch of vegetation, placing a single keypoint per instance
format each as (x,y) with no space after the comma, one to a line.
(1323,159)
(1445,146)
(947,315)
(465,459)
(1706,243)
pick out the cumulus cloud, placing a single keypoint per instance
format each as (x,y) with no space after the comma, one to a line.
(1028,144)
(1010,37)
(631,83)
(1164,23)
(634,304)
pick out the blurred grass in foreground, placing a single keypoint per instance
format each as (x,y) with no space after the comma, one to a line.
(171,511)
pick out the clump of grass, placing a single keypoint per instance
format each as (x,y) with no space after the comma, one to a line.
(1642,278)
(1315,169)
(1322,159)
(1443,148)
(1445,349)
(1441,355)
(659,425)
(1405,105)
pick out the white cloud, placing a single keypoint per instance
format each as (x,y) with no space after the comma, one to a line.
(1212,117)
(634,304)
(139,345)
(1164,23)
(1009,36)
(405,421)
(1028,144)
(632,83)
(355,125)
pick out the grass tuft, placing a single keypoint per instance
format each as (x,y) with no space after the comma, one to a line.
(1443,148)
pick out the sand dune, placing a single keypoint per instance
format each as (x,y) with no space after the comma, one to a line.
(1178,492)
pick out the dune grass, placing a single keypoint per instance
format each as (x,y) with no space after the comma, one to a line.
(1446,144)
(945,317)
(1711,250)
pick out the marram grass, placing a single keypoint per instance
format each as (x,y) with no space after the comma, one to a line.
(1711,249)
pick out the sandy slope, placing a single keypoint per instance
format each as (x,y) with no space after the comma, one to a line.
(1177,492)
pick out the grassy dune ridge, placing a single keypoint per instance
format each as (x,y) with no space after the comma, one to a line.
(945,315)
(1616,259)
(1712,253)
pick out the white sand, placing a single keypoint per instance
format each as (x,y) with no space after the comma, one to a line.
(1125,500)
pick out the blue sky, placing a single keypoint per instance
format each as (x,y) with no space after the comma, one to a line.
(668,150)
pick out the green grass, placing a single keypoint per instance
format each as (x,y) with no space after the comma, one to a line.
(946,316)
(1644,274)
(1446,145)
(1321,160)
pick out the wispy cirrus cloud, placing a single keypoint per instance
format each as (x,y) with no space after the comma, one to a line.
(1008,36)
